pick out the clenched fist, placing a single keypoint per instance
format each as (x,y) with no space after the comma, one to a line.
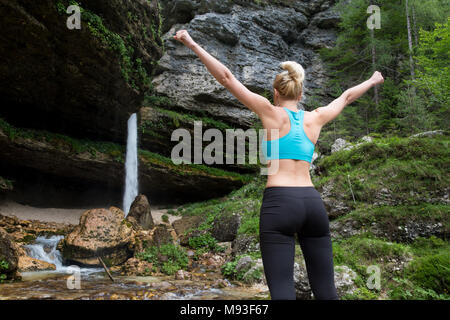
(377,78)
(184,37)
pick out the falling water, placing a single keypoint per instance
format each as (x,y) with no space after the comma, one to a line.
(45,249)
(131,165)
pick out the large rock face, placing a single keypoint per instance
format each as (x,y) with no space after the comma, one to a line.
(9,257)
(96,170)
(252,42)
(103,233)
(82,82)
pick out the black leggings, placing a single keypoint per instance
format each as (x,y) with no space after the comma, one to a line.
(284,212)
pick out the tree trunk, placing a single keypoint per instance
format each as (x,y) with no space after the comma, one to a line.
(408,25)
(372,36)
(416,39)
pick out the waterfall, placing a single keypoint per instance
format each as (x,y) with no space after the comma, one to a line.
(45,249)
(131,165)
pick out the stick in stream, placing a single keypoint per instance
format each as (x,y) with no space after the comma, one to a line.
(106,269)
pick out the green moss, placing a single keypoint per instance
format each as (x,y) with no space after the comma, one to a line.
(432,272)
(28,239)
(168,258)
(155,159)
(64,143)
(132,69)
(410,169)
(5,184)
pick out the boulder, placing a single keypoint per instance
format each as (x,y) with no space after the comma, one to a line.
(161,235)
(335,202)
(101,232)
(9,256)
(140,213)
(136,267)
(339,144)
(427,134)
(343,279)
(182,225)
(244,243)
(225,226)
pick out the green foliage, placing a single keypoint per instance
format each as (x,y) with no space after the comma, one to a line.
(205,240)
(228,270)
(4,265)
(132,69)
(431,272)
(169,258)
(407,167)
(165,218)
(433,72)
(189,169)
(402,108)
(65,143)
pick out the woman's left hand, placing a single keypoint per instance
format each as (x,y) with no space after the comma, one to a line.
(184,37)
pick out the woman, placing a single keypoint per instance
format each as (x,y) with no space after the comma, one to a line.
(290,204)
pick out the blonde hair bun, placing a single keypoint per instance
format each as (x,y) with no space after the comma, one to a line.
(294,69)
(290,82)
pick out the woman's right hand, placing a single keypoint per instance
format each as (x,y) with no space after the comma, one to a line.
(377,78)
(184,37)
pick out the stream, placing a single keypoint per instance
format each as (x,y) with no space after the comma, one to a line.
(95,285)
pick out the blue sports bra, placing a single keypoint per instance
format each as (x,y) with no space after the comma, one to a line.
(294,145)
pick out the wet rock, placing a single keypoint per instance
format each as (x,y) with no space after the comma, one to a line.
(9,256)
(225,226)
(182,275)
(140,213)
(27,264)
(101,232)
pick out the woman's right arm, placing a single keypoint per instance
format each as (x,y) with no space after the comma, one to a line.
(330,112)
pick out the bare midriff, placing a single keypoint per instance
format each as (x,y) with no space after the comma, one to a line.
(290,173)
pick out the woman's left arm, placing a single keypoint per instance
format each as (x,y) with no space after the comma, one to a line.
(258,104)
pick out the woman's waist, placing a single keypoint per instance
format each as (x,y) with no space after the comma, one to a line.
(277,191)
